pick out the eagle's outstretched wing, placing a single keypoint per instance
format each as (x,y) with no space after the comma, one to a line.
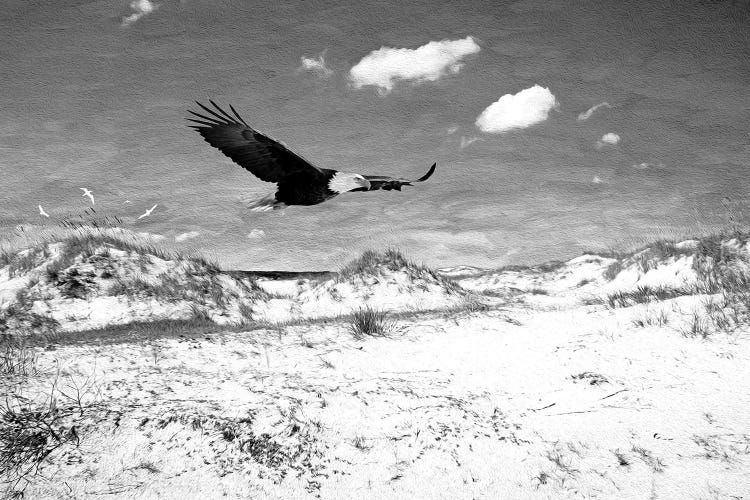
(389,183)
(262,156)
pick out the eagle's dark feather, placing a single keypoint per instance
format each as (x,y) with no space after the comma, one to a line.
(389,183)
(267,159)
(299,181)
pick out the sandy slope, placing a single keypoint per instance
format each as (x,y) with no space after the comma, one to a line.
(548,394)
(515,404)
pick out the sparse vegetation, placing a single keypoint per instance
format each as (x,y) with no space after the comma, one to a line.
(590,378)
(360,443)
(144,330)
(697,326)
(645,294)
(32,431)
(622,460)
(16,356)
(613,270)
(370,322)
(27,260)
(656,464)
(722,266)
(472,303)
(22,321)
(651,318)
(373,263)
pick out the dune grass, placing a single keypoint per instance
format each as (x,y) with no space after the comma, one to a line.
(370,322)
(644,294)
(722,266)
(373,262)
(84,241)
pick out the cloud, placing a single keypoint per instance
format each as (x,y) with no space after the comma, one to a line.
(316,65)
(468,141)
(152,236)
(524,109)
(141,8)
(256,234)
(428,63)
(610,138)
(187,236)
(587,114)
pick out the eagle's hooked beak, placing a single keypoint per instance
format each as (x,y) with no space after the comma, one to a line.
(362,182)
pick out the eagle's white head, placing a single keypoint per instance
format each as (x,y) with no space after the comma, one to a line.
(341,182)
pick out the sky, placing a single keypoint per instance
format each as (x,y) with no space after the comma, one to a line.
(557,126)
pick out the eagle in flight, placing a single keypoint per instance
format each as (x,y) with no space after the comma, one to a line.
(299,182)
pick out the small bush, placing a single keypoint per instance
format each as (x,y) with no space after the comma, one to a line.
(371,322)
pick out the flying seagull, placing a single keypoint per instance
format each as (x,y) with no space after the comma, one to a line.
(88,193)
(42,212)
(147,212)
(299,182)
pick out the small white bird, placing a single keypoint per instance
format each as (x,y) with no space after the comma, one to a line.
(148,212)
(88,193)
(42,212)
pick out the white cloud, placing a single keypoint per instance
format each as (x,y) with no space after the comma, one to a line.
(468,141)
(610,138)
(316,65)
(256,234)
(587,114)
(187,236)
(383,67)
(524,109)
(152,236)
(140,8)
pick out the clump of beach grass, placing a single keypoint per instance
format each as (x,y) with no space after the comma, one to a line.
(367,321)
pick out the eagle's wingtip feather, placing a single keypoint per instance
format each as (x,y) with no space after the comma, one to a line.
(428,174)
(227,115)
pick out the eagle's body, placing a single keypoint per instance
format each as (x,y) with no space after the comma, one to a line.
(299,182)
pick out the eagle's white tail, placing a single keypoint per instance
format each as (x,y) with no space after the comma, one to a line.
(263,204)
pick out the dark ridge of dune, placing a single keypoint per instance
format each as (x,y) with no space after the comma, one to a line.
(283,275)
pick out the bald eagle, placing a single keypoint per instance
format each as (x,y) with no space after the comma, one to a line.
(299,182)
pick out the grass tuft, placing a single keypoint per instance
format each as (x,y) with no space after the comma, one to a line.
(370,322)
(651,318)
(697,326)
(645,294)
